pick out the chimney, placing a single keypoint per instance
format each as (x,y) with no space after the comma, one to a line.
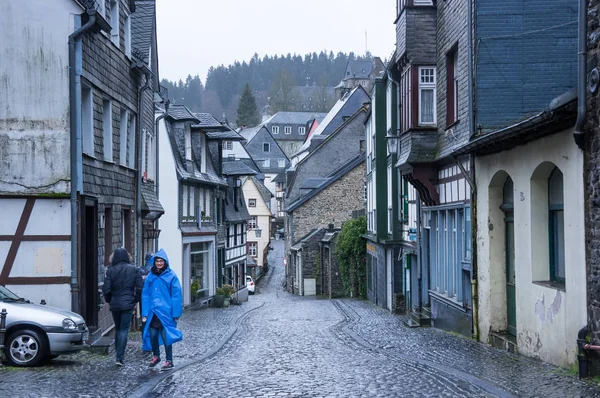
(330,228)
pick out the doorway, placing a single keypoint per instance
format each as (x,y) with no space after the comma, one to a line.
(509,248)
(88,276)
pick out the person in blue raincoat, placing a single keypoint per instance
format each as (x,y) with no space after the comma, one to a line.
(161,308)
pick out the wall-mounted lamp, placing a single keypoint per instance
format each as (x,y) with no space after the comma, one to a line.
(392,138)
(258,232)
(152,233)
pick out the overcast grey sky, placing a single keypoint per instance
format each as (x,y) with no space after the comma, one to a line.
(194,35)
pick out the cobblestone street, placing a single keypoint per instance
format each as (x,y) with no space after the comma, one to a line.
(277,344)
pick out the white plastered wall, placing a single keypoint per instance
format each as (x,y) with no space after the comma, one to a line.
(548,318)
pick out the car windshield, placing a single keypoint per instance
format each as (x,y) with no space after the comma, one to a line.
(7,295)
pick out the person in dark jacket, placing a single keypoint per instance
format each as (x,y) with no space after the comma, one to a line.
(161,309)
(122,289)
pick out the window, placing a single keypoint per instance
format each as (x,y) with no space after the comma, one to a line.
(123,130)
(114,22)
(252,223)
(281,163)
(287,129)
(390,215)
(266,147)
(426,95)
(199,263)
(252,249)
(557,226)
(188,203)
(188,143)
(275,129)
(267,163)
(406,99)
(251,202)
(452,87)
(108,234)
(150,154)
(131,162)
(87,119)
(100,7)
(126,229)
(107,129)
(301,130)
(127,34)
(228,145)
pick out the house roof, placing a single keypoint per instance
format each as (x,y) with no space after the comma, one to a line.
(181,113)
(312,183)
(293,117)
(150,202)
(249,133)
(262,189)
(142,25)
(343,108)
(208,122)
(235,211)
(237,168)
(279,177)
(189,169)
(333,177)
(228,135)
(358,69)
(329,236)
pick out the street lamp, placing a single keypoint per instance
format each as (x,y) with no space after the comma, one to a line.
(152,233)
(392,139)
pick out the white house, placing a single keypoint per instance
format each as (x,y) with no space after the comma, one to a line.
(259,226)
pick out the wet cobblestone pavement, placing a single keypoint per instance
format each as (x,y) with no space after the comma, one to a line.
(279,345)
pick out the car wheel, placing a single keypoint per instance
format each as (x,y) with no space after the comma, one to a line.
(25,348)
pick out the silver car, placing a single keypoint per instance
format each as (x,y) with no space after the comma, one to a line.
(36,333)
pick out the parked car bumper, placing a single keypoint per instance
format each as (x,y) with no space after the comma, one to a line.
(63,343)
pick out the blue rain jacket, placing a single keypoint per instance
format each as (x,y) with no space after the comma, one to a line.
(162,297)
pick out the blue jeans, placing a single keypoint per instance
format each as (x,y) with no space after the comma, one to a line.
(156,347)
(122,323)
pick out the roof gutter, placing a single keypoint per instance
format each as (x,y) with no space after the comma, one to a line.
(75,141)
(579,134)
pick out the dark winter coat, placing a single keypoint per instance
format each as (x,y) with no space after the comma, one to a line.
(123,283)
(162,298)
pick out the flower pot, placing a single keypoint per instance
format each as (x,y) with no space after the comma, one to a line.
(219,300)
(226,302)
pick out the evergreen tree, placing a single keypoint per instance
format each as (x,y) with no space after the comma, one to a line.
(247,111)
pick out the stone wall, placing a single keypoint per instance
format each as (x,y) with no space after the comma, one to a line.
(333,205)
(592,187)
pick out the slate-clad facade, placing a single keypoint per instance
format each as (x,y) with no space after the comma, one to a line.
(92,198)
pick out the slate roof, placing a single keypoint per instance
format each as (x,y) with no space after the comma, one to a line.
(228,135)
(358,69)
(142,24)
(249,133)
(207,121)
(333,177)
(237,168)
(181,113)
(293,117)
(262,189)
(343,108)
(150,201)
(329,236)
(250,261)
(279,177)
(187,169)
(312,183)
(254,148)
(235,212)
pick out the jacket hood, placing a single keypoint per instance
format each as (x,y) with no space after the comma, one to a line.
(161,254)
(121,256)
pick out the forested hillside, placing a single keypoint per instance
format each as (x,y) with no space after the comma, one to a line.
(278,78)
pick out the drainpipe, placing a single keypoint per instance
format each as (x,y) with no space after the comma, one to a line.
(472,181)
(419,257)
(140,163)
(75,138)
(579,134)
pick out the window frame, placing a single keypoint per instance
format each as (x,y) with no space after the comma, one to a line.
(281,163)
(302,130)
(267,163)
(87,118)
(123,136)
(115,32)
(555,243)
(252,202)
(266,147)
(452,86)
(287,129)
(427,86)
(253,249)
(107,130)
(275,129)
(127,35)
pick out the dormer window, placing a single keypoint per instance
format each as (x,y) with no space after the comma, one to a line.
(275,129)
(287,129)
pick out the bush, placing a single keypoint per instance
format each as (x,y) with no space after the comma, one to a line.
(225,290)
(351,251)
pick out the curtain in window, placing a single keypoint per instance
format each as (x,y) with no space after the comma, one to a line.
(427,106)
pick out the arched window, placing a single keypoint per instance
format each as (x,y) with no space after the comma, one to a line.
(556,226)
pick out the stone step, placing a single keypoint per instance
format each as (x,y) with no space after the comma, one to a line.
(504,341)
(104,345)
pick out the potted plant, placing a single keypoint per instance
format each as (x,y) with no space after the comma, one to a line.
(194,289)
(222,295)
